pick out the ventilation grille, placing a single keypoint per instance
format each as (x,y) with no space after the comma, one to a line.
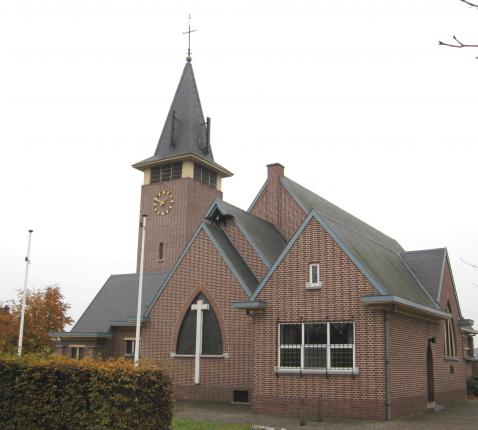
(239,396)
(166,172)
(205,175)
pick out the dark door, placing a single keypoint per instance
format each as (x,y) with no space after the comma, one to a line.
(430,383)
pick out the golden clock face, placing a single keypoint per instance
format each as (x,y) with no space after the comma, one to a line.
(163,203)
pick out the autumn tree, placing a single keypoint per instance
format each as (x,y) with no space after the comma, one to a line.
(45,311)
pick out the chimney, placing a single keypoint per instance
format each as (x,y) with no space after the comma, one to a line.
(274,172)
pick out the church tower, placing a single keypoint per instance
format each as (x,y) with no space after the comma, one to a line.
(181,179)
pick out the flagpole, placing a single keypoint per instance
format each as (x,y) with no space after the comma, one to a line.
(140,294)
(24,300)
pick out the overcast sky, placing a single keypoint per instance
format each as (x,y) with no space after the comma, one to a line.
(354,97)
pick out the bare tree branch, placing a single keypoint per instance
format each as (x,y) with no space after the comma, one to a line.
(457,45)
(469,3)
(469,264)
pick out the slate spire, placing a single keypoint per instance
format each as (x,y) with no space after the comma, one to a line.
(185,130)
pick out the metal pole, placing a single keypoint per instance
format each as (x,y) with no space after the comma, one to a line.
(140,294)
(24,300)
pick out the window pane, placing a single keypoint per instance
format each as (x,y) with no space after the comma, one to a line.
(211,334)
(291,334)
(289,357)
(316,334)
(315,357)
(166,172)
(129,347)
(341,333)
(314,277)
(341,358)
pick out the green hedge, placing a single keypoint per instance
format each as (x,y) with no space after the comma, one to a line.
(60,393)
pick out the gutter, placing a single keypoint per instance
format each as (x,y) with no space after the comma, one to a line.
(388,387)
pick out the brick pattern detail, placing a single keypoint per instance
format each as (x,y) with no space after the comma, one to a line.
(339,300)
(408,352)
(191,201)
(275,197)
(246,250)
(202,270)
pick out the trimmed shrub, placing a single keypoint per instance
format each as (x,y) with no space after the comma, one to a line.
(472,385)
(59,393)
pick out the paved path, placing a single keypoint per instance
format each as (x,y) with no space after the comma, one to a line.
(460,416)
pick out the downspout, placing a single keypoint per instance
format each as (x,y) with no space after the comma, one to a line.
(388,388)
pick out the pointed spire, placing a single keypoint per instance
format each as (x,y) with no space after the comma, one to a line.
(185,130)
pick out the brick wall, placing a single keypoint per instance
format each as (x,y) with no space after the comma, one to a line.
(449,386)
(202,270)
(276,197)
(191,200)
(361,396)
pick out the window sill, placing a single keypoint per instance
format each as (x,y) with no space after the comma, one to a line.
(174,355)
(285,371)
(318,286)
(451,358)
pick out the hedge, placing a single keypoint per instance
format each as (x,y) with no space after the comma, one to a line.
(60,393)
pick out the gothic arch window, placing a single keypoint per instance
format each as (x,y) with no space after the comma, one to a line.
(211,334)
(450,347)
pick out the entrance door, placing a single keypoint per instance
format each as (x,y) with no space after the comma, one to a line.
(430,383)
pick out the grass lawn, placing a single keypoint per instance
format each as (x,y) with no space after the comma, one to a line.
(179,424)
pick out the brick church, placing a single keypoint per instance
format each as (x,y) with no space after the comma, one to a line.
(293,304)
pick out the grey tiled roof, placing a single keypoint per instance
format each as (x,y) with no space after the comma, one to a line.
(263,236)
(189,122)
(378,253)
(237,264)
(427,265)
(117,301)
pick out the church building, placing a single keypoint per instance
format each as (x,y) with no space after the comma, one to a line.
(291,305)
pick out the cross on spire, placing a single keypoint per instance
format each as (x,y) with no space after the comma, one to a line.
(188,58)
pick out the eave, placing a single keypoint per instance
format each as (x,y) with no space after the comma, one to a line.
(63,334)
(152,161)
(400,305)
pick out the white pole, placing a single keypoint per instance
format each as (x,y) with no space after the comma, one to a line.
(24,301)
(140,294)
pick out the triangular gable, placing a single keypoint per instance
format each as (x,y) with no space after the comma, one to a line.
(226,250)
(446,263)
(314,215)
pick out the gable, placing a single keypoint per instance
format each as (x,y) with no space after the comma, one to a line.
(338,273)
(195,260)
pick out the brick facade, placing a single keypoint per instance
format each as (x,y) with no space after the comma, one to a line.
(191,200)
(202,270)
(362,395)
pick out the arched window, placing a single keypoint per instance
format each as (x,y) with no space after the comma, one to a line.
(450,348)
(211,332)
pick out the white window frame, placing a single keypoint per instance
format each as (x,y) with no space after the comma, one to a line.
(132,339)
(314,285)
(77,347)
(324,370)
